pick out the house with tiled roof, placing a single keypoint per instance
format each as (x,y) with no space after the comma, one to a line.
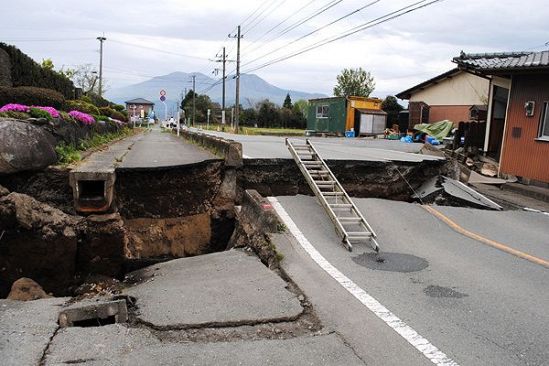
(518,110)
(139,107)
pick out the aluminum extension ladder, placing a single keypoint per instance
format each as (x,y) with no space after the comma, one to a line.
(349,222)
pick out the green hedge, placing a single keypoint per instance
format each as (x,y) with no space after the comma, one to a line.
(26,72)
(29,95)
(81,106)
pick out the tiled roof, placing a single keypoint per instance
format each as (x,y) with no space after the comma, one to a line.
(139,101)
(504,61)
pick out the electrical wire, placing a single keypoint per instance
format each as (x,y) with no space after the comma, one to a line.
(380,20)
(279,24)
(158,50)
(315,31)
(301,21)
(259,17)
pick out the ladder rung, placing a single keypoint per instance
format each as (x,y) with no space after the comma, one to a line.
(300,146)
(316,162)
(349,220)
(324,182)
(340,205)
(355,234)
(333,194)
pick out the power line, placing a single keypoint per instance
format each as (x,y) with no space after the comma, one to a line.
(385,18)
(51,40)
(301,21)
(315,31)
(159,50)
(252,14)
(280,23)
(259,20)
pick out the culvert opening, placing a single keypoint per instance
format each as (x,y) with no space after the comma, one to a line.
(91,191)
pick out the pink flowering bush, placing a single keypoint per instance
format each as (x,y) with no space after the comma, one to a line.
(12,107)
(82,117)
(52,111)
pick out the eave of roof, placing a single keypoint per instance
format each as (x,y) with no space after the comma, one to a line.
(139,101)
(406,94)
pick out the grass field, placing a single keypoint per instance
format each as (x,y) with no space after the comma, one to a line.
(257,130)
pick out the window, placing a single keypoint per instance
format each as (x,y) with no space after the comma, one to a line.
(544,125)
(322,111)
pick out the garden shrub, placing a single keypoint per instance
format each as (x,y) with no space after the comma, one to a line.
(26,72)
(81,106)
(16,115)
(39,113)
(66,117)
(30,95)
(106,111)
(119,116)
(118,107)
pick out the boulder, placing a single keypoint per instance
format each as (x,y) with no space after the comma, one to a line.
(25,147)
(25,289)
(38,241)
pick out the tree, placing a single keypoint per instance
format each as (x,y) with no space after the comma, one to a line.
(302,106)
(392,107)
(354,82)
(47,64)
(84,77)
(267,115)
(248,117)
(287,102)
(202,104)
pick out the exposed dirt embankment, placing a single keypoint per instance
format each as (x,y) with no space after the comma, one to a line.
(168,192)
(391,180)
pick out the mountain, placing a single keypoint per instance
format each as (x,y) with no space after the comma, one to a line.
(252,90)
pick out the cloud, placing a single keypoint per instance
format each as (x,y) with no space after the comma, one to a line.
(399,53)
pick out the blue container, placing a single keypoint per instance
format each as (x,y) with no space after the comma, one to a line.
(350,133)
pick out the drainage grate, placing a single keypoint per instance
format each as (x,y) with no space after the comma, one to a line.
(94,314)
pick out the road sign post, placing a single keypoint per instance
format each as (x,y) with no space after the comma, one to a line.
(163,100)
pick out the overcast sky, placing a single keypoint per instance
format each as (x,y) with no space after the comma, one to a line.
(399,53)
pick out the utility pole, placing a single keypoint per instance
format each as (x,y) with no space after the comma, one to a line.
(194,95)
(237,93)
(224,77)
(101,40)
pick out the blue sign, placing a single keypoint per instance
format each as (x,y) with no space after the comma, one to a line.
(162,98)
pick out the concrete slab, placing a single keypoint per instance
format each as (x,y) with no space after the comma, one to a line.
(107,345)
(319,350)
(268,147)
(158,149)
(118,345)
(26,329)
(228,288)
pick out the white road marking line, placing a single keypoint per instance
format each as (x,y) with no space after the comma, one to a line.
(404,330)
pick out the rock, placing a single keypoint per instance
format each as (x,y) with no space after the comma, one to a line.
(25,289)
(38,121)
(25,147)
(38,242)
(4,191)
(489,169)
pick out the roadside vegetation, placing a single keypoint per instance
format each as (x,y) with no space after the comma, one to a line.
(69,154)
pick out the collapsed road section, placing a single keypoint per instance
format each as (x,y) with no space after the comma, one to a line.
(116,241)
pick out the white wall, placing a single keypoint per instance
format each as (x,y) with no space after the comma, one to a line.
(462,89)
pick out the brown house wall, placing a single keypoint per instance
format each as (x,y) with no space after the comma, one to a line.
(454,113)
(524,156)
